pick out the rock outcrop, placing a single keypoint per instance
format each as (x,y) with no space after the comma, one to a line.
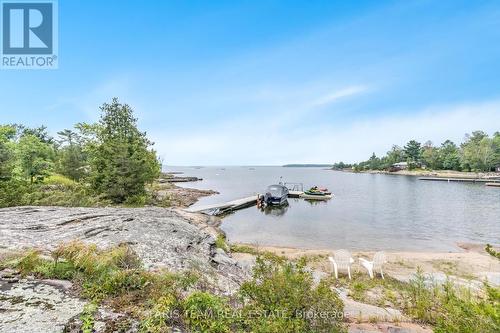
(162,238)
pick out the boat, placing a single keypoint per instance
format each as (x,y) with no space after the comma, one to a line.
(315,193)
(316,189)
(308,195)
(276,195)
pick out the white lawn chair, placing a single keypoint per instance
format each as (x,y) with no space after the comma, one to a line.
(376,265)
(343,261)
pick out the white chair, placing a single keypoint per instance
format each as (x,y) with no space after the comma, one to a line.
(379,260)
(343,261)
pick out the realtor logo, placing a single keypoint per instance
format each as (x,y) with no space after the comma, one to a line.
(29,34)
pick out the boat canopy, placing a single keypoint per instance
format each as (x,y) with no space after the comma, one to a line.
(277,190)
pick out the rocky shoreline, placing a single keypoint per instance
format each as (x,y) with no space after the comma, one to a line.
(163,238)
(175,240)
(432,173)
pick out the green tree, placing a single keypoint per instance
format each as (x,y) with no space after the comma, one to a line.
(413,153)
(395,155)
(7,133)
(121,159)
(34,157)
(40,132)
(374,162)
(71,160)
(496,147)
(450,155)
(478,152)
(431,156)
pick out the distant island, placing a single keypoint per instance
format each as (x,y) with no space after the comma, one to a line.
(307,165)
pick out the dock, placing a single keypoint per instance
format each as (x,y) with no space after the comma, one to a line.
(230,206)
(463,180)
(295,194)
(225,207)
(497,184)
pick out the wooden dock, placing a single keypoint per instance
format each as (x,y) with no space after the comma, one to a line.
(463,180)
(225,207)
(493,184)
(230,206)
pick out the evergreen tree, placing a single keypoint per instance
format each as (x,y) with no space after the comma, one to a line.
(450,155)
(71,158)
(413,153)
(121,159)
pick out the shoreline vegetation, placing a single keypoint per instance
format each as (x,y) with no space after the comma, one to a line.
(155,269)
(477,156)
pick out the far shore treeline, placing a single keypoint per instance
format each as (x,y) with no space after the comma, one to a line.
(478,153)
(108,162)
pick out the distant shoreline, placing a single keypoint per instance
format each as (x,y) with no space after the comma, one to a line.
(431,173)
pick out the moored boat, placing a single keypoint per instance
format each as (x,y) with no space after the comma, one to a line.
(315,193)
(315,196)
(276,195)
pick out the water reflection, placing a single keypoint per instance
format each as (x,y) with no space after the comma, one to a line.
(368,211)
(275,210)
(313,202)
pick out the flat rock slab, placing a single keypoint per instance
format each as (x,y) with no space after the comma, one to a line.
(365,312)
(388,328)
(161,237)
(35,307)
(361,312)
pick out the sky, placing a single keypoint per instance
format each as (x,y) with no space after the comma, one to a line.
(271,82)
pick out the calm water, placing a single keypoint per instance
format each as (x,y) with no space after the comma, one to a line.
(368,212)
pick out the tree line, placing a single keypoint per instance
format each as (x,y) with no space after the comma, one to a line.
(478,152)
(111,160)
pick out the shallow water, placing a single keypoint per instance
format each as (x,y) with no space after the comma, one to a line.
(368,212)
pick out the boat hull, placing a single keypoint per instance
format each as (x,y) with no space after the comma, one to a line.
(316,196)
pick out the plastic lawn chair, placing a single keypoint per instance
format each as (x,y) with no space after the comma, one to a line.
(379,260)
(342,260)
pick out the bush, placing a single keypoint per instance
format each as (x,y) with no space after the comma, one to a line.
(58,192)
(56,179)
(207,313)
(489,249)
(12,192)
(451,308)
(281,298)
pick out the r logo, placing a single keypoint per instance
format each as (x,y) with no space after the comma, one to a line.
(27,28)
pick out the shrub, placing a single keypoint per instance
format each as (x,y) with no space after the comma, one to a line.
(220,242)
(452,308)
(87,317)
(281,298)
(56,179)
(29,262)
(492,252)
(207,313)
(164,311)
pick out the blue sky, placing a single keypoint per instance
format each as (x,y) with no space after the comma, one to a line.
(271,82)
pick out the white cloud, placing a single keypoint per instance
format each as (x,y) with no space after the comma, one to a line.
(339,94)
(253,141)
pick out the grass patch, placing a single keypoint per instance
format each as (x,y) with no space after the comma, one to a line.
(56,179)
(237,248)
(221,243)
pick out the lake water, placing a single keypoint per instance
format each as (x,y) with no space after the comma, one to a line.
(368,211)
